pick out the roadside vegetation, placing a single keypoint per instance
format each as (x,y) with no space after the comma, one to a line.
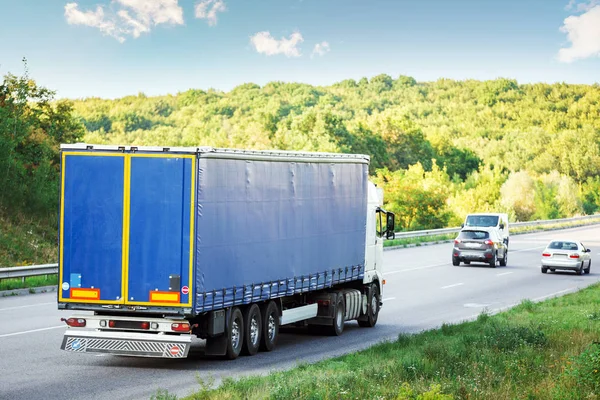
(547,350)
(439,149)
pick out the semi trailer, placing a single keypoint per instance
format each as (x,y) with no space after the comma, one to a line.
(161,245)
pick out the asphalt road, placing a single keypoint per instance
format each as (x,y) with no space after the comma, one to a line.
(423,291)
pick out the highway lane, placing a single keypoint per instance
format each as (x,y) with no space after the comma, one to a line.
(423,291)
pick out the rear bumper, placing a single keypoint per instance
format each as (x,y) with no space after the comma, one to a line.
(126,343)
(473,255)
(561,264)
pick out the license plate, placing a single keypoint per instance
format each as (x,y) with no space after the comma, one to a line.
(472,245)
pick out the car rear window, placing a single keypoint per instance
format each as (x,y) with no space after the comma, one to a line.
(563,246)
(474,235)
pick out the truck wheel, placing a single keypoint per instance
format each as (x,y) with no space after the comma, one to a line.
(252,330)
(372,308)
(337,326)
(270,323)
(235,334)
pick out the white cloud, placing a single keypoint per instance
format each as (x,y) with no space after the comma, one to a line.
(208,9)
(321,49)
(264,43)
(132,17)
(583,31)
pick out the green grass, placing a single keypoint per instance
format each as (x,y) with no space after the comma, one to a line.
(30,282)
(540,351)
(418,240)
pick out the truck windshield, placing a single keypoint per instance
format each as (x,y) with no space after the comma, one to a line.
(482,220)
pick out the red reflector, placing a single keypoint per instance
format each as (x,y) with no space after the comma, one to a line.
(546,255)
(574,256)
(112,323)
(180,327)
(76,322)
(145,325)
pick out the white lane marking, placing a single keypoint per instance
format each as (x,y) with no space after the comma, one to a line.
(389,298)
(30,305)
(451,286)
(414,269)
(531,248)
(32,331)
(505,273)
(552,294)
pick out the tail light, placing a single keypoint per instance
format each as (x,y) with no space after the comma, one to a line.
(457,241)
(74,322)
(574,256)
(489,242)
(546,254)
(185,327)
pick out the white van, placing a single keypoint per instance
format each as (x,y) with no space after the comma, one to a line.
(496,220)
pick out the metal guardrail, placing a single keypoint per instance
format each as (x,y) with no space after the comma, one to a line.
(49,269)
(32,270)
(443,231)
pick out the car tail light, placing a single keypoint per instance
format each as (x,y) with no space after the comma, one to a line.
(457,241)
(574,256)
(74,322)
(546,254)
(185,327)
(489,242)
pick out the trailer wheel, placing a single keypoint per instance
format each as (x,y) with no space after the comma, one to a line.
(235,334)
(252,330)
(270,322)
(372,308)
(337,326)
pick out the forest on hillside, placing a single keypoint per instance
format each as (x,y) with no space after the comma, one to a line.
(440,149)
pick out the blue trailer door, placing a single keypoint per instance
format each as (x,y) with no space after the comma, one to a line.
(160,230)
(92,230)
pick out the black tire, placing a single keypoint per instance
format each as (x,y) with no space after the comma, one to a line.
(504,259)
(455,261)
(587,270)
(270,331)
(253,328)
(580,270)
(544,270)
(235,334)
(337,324)
(372,307)
(493,261)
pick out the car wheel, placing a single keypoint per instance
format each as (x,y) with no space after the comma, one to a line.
(493,261)
(580,270)
(455,261)
(504,259)
(587,270)
(544,270)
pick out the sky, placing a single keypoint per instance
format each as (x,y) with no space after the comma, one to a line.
(114,48)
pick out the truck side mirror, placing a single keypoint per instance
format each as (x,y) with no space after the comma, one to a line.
(390,223)
(501,226)
(462,226)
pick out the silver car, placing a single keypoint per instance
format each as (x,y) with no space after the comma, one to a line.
(566,254)
(479,244)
